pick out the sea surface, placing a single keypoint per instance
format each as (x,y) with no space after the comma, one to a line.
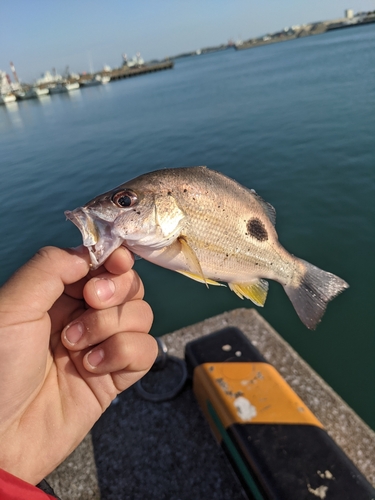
(295,121)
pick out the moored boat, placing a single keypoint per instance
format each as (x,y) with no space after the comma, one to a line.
(6,90)
(7,98)
(106,79)
(57,88)
(30,93)
(24,94)
(71,86)
(40,92)
(96,80)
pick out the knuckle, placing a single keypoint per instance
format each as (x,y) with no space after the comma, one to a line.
(135,286)
(145,315)
(47,253)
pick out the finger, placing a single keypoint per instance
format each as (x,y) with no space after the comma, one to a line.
(120,261)
(37,285)
(93,327)
(108,290)
(127,356)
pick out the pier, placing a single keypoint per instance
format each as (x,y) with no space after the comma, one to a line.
(142,449)
(126,72)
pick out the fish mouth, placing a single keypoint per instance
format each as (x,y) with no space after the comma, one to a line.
(97,235)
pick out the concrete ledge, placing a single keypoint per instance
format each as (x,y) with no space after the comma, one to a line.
(76,478)
(141,450)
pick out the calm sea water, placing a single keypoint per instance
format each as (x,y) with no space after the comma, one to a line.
(295,121)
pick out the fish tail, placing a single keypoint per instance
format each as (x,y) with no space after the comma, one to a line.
(315,290)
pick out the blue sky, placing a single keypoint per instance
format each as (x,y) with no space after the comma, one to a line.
(38,35)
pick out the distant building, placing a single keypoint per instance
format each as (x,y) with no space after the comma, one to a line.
(349,14)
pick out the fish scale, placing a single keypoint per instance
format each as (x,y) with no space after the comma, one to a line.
(221,235)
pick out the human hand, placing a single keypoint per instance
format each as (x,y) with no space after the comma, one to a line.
(53,390)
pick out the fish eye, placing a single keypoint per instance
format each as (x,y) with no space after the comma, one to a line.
(124,199)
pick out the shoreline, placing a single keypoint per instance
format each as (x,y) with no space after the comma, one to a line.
(315,29)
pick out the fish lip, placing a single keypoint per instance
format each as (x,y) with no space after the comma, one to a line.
(85,224)
(97,235)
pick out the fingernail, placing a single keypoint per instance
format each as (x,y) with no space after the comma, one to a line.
(105,288)
(94,358)
(73,333)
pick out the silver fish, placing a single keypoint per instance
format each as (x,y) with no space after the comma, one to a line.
(208,227)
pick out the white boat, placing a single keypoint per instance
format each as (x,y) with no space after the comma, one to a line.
(106,79)
(6,90)
(7,98)
(63,87)
(72,86)
(96,80)
(40,92)
(31,93)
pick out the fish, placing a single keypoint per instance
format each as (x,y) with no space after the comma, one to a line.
(208,227)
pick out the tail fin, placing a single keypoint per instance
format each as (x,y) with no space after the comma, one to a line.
(311,297)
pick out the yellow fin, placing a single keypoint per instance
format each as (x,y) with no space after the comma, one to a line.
(207,281)
(192,260)
(256,291)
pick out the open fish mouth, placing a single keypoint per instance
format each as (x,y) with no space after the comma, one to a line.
(97,235)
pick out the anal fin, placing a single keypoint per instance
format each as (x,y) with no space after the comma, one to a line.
(255,291)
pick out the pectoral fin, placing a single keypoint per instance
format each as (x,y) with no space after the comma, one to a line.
(192,261)
(256,291)
(207,281)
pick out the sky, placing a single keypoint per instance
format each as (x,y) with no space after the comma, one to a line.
(38,35)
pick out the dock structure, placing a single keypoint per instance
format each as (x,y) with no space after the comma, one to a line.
(126,72)
(112,75)
(139,449)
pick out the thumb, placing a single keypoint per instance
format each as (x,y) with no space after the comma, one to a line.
(34,288)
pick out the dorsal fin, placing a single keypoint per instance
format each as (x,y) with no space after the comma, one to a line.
(267,207)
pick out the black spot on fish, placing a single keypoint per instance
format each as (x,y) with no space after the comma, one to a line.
(256,229)
(185,190)
(169,193)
